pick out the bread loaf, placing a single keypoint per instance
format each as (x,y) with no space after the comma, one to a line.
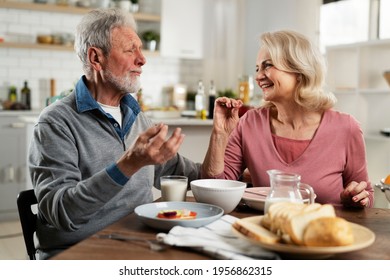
(300,224)
(297,224)
(328,231)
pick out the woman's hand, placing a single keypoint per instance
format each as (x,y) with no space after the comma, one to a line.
(225,120)
(226,114)
(355,195)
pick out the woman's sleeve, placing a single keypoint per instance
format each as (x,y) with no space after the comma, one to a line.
(356,164)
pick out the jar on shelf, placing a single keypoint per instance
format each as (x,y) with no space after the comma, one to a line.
(245,88)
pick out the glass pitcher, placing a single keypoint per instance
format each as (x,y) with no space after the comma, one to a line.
(286,187)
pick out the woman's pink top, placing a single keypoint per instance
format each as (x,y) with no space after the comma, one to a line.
(334,157)
(289,149)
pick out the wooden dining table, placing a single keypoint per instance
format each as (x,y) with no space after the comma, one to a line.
(97,248)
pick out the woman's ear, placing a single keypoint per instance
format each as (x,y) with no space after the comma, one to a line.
(95,57)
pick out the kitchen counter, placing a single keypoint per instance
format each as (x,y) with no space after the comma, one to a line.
(184,121)
(18,113)
(31,116)
(197,132)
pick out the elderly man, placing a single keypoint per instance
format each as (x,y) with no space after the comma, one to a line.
(94,155)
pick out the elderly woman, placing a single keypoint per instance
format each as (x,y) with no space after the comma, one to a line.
(295,130)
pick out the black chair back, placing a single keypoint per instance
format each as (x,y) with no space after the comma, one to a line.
(28,219)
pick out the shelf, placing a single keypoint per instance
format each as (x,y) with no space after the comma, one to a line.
(376,137)
(36,46)
(342,91)
(53,47)
(359,66)
(374,91)
(66,9)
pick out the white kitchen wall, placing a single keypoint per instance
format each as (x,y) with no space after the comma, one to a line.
(39,66)
(264,15)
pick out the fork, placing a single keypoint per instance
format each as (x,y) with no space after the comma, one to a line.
(153,245)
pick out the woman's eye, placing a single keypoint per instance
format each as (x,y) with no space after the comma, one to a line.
(264,66)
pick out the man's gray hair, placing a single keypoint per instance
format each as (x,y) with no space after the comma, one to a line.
(95,29)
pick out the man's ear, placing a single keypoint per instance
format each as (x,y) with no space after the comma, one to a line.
(95,57)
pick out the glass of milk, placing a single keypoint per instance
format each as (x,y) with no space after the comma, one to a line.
(174,188)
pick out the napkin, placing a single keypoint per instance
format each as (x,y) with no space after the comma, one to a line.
(216,240)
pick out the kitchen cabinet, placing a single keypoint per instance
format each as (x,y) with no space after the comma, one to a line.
(15,133)
(355,75)
(197,135)
(182,33)
(12,164)
(139,17)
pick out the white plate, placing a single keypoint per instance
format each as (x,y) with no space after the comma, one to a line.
(363,238)
(206,213)
(255,197)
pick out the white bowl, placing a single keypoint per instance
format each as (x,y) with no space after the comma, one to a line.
(223,193)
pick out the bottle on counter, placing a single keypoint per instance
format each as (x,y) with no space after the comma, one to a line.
(12,94)
(212,97)
(52,98)
(140,100)
(244,89)
(52,87)
(200,101)
(25,94)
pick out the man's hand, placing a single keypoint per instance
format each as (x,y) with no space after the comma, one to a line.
(151,147)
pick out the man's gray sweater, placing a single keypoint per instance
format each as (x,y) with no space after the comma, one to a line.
(72,166)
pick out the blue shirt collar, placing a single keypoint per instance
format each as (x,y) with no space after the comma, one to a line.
(85,102)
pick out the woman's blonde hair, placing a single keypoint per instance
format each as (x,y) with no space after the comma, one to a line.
(292,52)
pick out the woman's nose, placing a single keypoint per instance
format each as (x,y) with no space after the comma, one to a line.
(260,75)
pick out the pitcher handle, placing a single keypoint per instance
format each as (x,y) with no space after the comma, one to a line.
(309,190)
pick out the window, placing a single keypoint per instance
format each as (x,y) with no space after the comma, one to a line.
(384,19)
(344,22)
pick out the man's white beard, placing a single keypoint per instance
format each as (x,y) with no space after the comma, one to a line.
(124,84)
